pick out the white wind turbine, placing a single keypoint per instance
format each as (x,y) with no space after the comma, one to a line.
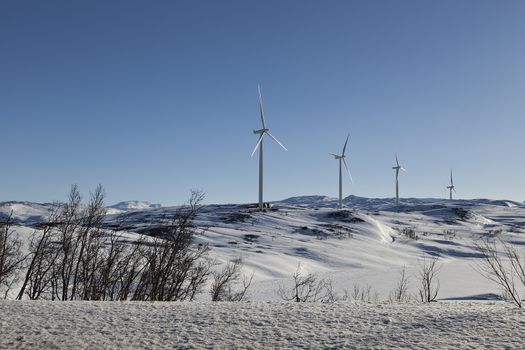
(262,132)
(451,187)
(342,160)
(397,168)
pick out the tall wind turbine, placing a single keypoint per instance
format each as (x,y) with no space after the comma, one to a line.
(262,132)
(342,160)
(451,187)
(397,168)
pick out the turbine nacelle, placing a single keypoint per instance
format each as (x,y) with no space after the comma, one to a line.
(261,131)
(398,167)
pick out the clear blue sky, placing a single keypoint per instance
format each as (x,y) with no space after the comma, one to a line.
(153,98)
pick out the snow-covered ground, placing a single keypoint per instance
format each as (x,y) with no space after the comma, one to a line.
(365,244)
(147,325)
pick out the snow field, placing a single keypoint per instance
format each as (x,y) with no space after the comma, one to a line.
(189,325)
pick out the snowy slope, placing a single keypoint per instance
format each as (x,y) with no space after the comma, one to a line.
(367,243)
(25,212)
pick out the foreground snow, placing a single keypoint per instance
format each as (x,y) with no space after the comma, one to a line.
(117,325)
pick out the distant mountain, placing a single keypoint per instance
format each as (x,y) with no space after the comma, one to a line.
(134,205)
(314,200)
(27,212)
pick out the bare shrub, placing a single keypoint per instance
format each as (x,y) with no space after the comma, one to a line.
(450,234)
(175,269)
(308,288)
(409,233)
(506,269)
(73,257)
(11,258)
(400,293)
(42,256)
(429,284)
(364,294)
(226,281)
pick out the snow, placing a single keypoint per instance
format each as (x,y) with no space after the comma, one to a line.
(155,325)
(362,245)
(26,212)
(134,205)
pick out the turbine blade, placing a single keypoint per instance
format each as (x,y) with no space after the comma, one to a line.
(258,143)
(403,169)
(335,155)
(454,190)
(397,161)
(348,170)
(280,144)
(344,147)
(261,109)
(451,180)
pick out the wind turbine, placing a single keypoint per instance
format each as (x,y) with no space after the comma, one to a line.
(397,168)
(342,160)
(262,132)
(451,187)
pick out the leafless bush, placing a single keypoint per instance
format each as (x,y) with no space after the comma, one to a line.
(493,234)
(43,253)
(11,258)
(175,269)
(409,233)
(364,294)
(449,234)
(308,288)
(400,293)
(74,258)
(226,280)
(506,269)
(429,284)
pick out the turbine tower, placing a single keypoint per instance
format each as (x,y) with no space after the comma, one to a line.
(342,160)
(262,132)
(397,168)
(451,187)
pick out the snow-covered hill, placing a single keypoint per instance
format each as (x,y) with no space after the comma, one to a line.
(134,205)
(369,242)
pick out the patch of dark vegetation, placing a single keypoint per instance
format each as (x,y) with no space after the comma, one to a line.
(237,217)
(302,251)
(327,231)
(251,237)
(233,242)
(345,216)
(44,225)
(154,231)
(339,231)
(462,213)
(492,234)
(449,234)
(408,232)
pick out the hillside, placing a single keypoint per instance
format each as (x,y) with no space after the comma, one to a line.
(368,243)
